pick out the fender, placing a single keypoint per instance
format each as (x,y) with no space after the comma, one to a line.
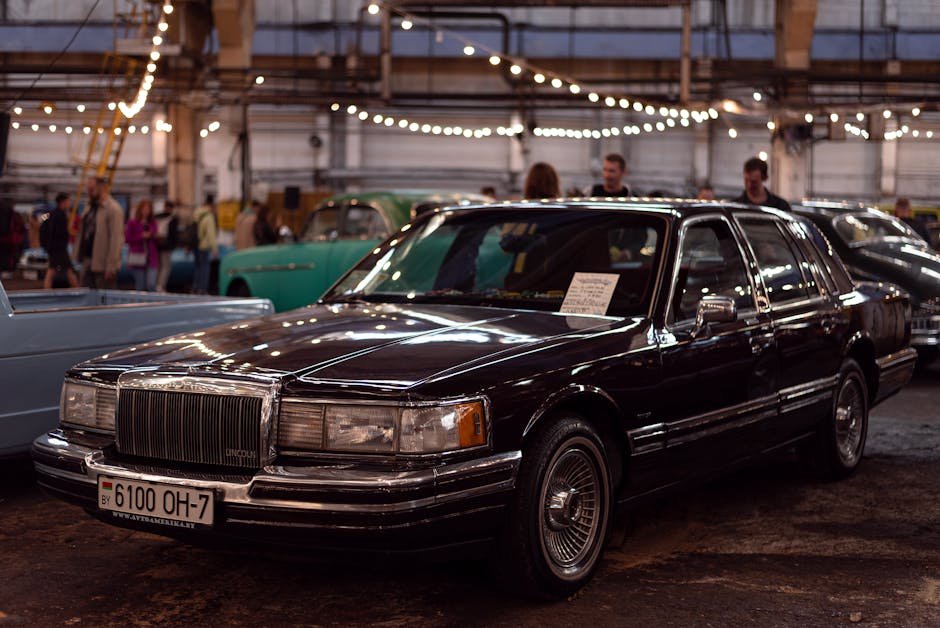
(558,397)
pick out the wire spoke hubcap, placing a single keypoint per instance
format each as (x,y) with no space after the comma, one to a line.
(572,510)
(849,422)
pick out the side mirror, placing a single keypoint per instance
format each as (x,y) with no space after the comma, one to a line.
(714,309)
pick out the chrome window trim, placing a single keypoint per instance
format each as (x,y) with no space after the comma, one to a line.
(677,261)
(271,268)
(251,386)
(824,280)
(662,435)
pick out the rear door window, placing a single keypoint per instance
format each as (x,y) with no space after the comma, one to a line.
(323,225)
(364,222)
(780,268)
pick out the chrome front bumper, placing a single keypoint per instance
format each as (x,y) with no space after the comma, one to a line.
(338,498)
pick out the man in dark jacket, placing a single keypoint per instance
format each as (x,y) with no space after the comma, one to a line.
(902,209)
(755,192)
(54,237)
(168,239)
(613,171)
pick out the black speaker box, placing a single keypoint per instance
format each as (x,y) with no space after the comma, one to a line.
(291,197)
(4,134)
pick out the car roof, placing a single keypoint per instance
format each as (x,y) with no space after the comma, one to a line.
(398,204)
(677,208)
(834,208)
(405,196)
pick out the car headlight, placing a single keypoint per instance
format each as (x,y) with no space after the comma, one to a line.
(381,429)
(87,405)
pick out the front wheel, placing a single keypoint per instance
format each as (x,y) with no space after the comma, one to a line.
(553,539)
(837,448)
(239,288)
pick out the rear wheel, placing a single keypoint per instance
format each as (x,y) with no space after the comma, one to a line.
(553,539)
(239,288)
(837,448)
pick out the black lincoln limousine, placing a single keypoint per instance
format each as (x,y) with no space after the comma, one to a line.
(507,376)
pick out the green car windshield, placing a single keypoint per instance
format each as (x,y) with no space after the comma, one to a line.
(502,258)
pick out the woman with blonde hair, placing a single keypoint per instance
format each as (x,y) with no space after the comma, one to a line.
(541,182)
(143,258)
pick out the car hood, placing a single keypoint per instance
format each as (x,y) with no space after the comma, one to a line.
(913,268)
(395,346)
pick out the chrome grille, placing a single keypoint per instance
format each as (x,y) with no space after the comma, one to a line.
(925,323)
(190,427)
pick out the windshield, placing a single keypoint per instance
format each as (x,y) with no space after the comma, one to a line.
(857,229)
(511,258)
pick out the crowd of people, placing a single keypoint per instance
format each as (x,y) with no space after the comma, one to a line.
(101,232)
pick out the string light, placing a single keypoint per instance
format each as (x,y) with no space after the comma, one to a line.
(539,76)
(386,121)
(146,82)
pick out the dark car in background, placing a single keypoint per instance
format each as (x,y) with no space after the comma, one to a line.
(876,246)
(502,377)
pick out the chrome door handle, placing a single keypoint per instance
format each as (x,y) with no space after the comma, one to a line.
(761,342)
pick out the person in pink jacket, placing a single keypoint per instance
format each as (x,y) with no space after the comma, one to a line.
(143,258)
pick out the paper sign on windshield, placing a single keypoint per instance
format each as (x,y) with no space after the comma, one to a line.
(589,293)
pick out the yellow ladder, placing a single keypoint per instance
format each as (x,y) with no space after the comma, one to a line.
(122,75)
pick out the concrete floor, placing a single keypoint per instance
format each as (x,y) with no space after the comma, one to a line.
(768,546)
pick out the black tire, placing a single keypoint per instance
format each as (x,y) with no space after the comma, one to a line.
(837,448)
(239,288)
(558,523)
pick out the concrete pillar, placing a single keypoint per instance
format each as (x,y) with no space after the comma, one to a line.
(889,161)
(518,152)
(183,171)
(337,148)
(235,28)
(701,154)
(788,168)
(353,154)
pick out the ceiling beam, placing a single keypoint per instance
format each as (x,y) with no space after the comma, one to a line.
(794,23)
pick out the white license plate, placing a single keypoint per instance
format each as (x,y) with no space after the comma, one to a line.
(31,274)
(162,504)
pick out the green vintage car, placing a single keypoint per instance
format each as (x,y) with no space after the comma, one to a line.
(337,234)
